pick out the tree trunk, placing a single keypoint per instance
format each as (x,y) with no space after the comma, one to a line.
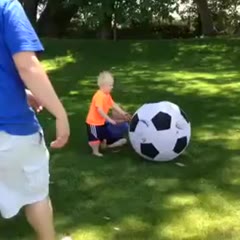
(115,27)
(198,26)
(45,25)
(206,18)
(56,18)
(106,28)
(30,7)
(107,18)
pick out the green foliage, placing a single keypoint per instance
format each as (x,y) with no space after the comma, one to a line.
(121,14)
(126,11)
(225,14)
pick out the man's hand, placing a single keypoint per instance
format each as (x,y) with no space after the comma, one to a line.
(62,125)
(62,133)
(33,102)
(43,94)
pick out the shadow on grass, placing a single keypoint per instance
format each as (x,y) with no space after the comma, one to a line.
(121,196)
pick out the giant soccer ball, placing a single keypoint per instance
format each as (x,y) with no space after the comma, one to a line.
(159,131)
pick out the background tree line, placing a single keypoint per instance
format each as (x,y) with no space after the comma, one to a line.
(119,19)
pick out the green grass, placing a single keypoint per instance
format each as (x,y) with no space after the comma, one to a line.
(122,197)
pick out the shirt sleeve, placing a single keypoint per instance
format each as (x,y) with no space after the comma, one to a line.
(18,33)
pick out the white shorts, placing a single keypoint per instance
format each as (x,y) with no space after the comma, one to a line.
(24,172)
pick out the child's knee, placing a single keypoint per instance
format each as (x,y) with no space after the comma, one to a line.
(94,143)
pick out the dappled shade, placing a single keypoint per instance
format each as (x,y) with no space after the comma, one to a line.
(122,196)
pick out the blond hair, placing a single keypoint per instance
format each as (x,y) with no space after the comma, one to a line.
(105,77)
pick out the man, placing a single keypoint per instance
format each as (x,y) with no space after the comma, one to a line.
(24,158)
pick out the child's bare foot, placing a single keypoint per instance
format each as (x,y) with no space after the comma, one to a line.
(98,154)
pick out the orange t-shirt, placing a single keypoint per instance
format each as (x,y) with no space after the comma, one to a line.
(102,100)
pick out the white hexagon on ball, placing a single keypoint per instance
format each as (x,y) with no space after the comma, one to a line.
(159,131)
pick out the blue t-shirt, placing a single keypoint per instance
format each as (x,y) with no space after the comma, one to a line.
(16,35)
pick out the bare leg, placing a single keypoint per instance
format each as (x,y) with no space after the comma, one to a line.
(40,217)
(118,143)
(103,144)
(95,149)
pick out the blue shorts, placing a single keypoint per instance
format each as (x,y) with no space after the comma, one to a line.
(109,132)
(117,131)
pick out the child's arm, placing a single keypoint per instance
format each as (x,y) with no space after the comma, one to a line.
(117,108)
(105,116)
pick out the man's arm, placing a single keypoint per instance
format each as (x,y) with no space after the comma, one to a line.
(22,43)
(37,81)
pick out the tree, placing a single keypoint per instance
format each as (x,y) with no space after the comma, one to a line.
(208,28)
(30,7)
(56,17)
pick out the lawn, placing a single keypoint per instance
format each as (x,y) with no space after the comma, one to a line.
(120,196)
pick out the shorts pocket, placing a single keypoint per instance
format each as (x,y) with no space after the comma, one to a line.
(37,178)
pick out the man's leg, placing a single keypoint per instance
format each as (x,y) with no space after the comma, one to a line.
(40,217)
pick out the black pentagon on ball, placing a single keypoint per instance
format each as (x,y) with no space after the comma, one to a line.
(180,145)
(149,150)
(134,123)
(184,115)
(162,121)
